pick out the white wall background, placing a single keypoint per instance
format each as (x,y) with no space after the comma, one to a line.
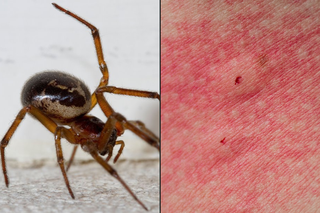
(34,37)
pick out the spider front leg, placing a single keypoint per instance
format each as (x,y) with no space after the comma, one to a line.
(47,122)
(97,43)
(102,64)
(108,137)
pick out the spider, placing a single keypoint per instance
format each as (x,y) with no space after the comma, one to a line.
(58,100)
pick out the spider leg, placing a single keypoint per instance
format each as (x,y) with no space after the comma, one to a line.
(97,42)
(72,157)
(62,131)
(123,123)
(130,92)
(114,173)
(153,141)
(121,143)
(143,127)
(109,153)
(48,123)
(106,133)
(108,136)
(7,137)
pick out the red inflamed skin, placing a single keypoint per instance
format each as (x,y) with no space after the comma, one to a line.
(240,101)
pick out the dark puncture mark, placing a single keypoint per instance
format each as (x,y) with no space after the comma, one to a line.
(223,141)
(238,80)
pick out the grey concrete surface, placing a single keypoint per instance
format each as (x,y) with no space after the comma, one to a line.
(42,188)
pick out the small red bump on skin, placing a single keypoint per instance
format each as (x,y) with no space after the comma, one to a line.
(238,80)
(223,141)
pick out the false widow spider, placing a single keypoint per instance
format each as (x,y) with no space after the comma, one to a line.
(58,99)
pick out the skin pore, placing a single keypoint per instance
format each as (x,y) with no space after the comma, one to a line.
(240,106)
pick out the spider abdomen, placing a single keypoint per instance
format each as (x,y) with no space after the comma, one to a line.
(58,95)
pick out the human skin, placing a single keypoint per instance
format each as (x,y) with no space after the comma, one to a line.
(240,106)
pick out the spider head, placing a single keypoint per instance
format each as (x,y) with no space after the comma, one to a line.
(89,128)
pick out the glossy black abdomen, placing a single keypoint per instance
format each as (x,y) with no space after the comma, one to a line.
(58,95)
